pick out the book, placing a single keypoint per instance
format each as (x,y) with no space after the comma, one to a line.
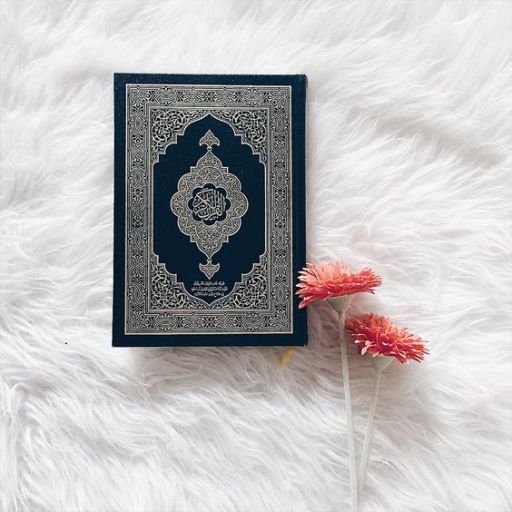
(209,209)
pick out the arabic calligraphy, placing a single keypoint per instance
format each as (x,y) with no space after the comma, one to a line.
(209,204)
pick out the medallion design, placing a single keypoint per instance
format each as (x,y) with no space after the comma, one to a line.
(209,204)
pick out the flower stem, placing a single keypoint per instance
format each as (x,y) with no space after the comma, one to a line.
(348,409)
(367,444)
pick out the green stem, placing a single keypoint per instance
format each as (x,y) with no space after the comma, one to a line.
(348,409)
(367,444)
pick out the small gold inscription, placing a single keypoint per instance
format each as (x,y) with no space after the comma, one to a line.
(210,289)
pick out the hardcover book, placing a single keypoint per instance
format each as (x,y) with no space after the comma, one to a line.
(209,209)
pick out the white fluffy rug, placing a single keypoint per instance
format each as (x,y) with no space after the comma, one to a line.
(409,143)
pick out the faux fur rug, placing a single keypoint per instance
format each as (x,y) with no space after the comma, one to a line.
(409,142)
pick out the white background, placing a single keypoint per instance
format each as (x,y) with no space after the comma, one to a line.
(409,160)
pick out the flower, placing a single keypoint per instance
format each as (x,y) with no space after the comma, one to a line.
(378,336)
(327,280)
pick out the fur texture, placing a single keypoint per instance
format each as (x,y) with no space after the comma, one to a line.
(409,166)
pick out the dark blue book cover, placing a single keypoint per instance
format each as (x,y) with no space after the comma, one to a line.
(209,209)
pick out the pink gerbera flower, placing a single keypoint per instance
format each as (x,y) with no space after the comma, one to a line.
(378,336)
(329,280)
